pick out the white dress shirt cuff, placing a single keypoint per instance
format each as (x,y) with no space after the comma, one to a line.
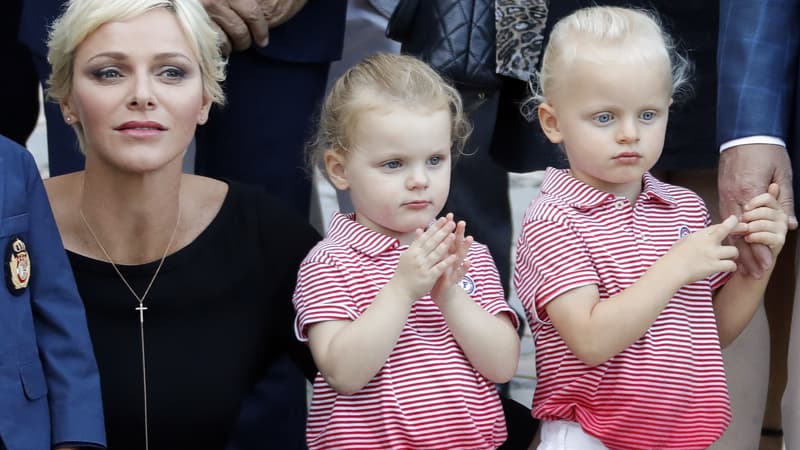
(752,140)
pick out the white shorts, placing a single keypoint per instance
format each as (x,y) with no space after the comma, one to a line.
(567,435)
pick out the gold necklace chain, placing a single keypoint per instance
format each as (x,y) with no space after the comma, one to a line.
(141,308)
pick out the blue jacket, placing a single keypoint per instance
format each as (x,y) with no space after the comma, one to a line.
(49,385)
(759,72)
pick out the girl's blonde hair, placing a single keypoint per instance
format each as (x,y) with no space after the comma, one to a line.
(82,17)
(378,80)
(634,34)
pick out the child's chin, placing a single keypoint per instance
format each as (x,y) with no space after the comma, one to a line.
(425,224)
(410,229)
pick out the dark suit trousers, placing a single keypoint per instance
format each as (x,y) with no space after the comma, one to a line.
(258,136)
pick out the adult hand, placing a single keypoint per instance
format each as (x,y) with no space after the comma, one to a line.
(766,221)
(242,22)
(280,11)
(746,171)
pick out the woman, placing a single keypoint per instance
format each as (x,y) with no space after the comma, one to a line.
(186,280)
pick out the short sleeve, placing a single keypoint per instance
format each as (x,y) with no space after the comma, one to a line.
(551,260)
(322,294)
(483,283)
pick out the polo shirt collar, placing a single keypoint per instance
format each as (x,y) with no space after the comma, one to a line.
(656,190)
(577,194)
(346,231)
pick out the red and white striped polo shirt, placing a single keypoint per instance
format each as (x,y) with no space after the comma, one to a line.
(427,395)
(668,389)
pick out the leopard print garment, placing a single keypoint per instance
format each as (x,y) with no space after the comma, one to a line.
(519,26)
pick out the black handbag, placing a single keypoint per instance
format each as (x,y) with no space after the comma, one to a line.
(456,37)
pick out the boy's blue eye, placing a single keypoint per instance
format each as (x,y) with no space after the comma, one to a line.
(604,118)
(648,115)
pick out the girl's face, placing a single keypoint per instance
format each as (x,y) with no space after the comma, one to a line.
(137,92)
(611,118)
(398,171)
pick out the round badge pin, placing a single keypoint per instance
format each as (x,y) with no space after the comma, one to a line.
(467,284)
(18,266)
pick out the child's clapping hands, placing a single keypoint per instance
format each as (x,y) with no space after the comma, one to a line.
(436,260)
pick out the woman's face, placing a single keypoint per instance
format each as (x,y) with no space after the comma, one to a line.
(137,91)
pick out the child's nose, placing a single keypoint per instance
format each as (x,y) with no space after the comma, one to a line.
(418,178)
(628,132)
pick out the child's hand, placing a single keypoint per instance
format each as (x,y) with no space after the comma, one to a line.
(765,221)
(426,258)
(702,253)
(455,271)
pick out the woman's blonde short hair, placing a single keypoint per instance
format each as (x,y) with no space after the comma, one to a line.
(380,80)
(632,34)
(80,18)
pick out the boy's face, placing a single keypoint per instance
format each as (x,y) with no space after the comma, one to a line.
(398,171)
(611,118)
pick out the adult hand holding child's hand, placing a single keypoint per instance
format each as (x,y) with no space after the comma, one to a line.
(766,222)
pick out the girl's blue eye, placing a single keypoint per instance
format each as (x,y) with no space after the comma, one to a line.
(604,118)
(435,160)
(391,164)
(648,115)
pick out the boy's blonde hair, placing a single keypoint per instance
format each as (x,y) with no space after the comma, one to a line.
(82,17)
(631,34)
(378,80)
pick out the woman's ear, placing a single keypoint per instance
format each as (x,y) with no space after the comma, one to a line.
(548,119)
(202,116)
(66,112)
(336,170)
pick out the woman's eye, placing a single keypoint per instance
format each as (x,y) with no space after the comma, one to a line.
(107,74)
(173,73)
(604,117)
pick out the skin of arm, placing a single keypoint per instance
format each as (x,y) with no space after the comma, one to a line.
(350,353)
(585,323)
(490,342)
(737,301)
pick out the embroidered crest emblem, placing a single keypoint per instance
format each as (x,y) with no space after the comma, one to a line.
(18,266)
(467,284)
(683,231)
